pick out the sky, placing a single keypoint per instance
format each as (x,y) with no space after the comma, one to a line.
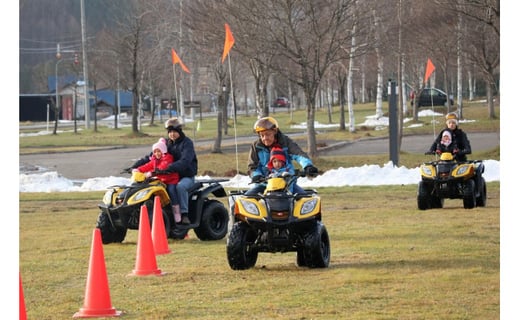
(44,180)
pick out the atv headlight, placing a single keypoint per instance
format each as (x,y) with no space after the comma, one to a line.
(308,206)
(107,198)
(141,194)
(427,171)
(250,207)
(462,170)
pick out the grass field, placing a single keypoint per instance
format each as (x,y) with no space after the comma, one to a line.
(389,261)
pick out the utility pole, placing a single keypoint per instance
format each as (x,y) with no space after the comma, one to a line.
(85,67)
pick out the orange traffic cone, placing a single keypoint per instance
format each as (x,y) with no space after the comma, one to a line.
(97,296)
(23,313)
(159,238)
(145,263)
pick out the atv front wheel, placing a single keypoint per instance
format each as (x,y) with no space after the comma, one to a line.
(179,233)
(482,198)
(300,258)
(424,200)
(109,234)
(317,247)
(213,222)
(241,253)
(469,199)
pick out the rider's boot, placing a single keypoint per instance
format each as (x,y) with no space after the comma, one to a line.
(177,213)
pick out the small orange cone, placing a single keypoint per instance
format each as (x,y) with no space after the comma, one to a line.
(159,238)
(145,263)
(23,312)
(97,296)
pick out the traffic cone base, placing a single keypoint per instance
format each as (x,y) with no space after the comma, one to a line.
(159,238)
(145,263)
(97,296)
(85,313)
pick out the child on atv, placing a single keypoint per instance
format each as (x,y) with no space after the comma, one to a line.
(159,161)
(278,167)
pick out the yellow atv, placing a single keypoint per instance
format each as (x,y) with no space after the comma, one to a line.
(449,179)
(277,221)
(121,209)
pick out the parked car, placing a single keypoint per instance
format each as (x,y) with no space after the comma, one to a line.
(281,102)
(432,96)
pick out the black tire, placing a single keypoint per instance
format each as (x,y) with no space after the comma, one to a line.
(179,233)
(241,253)
(213,221)
(482,198)
(437,202)
(108,233)
(424,200)
(469,199)
(300,257)
(317,247)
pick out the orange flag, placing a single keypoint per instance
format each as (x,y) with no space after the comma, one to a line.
(429,69)
(229,42)
(176,59)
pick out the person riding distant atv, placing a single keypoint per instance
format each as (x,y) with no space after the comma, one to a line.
(461,145)
(186,164)
(270,136)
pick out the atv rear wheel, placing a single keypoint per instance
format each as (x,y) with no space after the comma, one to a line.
(317,247)
(424,200)
(213,222)
(469,199)
(109,234)
(241,253)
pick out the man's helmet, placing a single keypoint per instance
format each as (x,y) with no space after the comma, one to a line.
(173,124)
(265,123)
(451,115)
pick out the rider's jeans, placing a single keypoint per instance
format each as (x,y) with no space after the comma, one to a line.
(182,192)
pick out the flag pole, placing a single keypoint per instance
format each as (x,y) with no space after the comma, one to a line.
(176,94)
(234,109)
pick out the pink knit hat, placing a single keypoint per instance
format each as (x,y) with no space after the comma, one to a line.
(161,146)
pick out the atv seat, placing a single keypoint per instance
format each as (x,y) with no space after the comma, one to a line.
(195,186)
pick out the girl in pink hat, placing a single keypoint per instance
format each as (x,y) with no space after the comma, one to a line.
(157,166)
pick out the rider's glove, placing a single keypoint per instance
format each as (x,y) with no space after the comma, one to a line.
(148,174)
(256,179)
(438,151)
(311,171)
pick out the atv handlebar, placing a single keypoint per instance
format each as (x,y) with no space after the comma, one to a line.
(126,170)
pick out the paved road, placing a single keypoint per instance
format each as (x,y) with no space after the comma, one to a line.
(109,162)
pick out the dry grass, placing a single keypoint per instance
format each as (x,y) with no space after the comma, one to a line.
(389,261)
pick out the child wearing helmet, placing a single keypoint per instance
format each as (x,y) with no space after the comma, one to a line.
(269,137)
(460,144)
